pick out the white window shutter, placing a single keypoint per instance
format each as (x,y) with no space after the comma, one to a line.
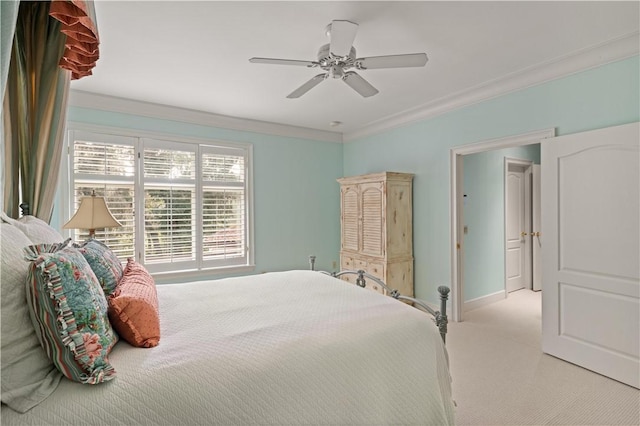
(184,205)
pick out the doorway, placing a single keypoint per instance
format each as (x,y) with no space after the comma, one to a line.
(458,200)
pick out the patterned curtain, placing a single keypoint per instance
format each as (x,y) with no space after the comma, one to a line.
(8,15)
(52,44)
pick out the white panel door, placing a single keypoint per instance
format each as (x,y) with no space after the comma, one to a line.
(514,229)
(591,256)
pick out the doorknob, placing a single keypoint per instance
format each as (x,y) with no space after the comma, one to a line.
(524,234)
(535,234)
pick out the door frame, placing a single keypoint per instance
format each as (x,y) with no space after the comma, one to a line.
(536,222)
(526,166)
(456,221)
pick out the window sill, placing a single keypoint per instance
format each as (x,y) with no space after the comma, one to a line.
(200,275)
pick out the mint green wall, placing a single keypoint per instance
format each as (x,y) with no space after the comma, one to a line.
(484,218)
(593,99)
(296,202)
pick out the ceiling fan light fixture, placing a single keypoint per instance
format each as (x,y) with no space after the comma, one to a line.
(338,57)
(336,71)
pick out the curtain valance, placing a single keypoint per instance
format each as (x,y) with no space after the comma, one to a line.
(78,23)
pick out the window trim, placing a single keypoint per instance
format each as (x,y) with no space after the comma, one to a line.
(66,182)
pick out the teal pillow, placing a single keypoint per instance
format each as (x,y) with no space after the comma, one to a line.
(68,310)
(104,263)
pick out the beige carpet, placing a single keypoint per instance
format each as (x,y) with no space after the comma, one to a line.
(501,377)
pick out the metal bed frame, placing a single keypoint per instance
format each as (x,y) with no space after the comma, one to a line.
(439,317)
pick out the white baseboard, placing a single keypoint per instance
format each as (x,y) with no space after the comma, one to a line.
(472,304)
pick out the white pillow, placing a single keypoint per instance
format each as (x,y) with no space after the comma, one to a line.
(27,374)
(38,231)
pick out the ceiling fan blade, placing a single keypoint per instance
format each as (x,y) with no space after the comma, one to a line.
(282,62)
(392,61)
(342,35)
(359,84)
(307,86)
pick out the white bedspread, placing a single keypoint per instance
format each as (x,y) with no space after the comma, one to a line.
(293,348)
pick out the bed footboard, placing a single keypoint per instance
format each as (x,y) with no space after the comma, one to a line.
(439,317)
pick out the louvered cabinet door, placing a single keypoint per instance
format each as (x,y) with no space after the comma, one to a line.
(350,218)
(372,211)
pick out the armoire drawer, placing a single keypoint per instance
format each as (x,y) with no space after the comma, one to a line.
(376,269)
(361,264)
(347,262)
(374,286)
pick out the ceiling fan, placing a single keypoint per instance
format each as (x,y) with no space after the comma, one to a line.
(337,57)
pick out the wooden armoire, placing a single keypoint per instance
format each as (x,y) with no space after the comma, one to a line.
(377,228)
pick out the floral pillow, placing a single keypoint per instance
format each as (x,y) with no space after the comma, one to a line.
(104,263)
(69,312)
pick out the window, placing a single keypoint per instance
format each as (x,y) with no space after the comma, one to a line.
(183,204)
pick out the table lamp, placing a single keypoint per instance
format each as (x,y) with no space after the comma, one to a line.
(92,214)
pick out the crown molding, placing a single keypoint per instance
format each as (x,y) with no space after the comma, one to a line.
(101,102)
(611,51)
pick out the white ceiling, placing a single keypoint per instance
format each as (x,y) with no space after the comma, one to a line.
(195,55)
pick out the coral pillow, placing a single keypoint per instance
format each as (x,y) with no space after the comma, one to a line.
(133,307)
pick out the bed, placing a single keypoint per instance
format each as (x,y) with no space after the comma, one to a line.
(293,347)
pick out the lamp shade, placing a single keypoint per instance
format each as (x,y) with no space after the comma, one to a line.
(92,214)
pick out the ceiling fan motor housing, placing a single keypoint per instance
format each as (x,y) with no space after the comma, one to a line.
(335,65)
